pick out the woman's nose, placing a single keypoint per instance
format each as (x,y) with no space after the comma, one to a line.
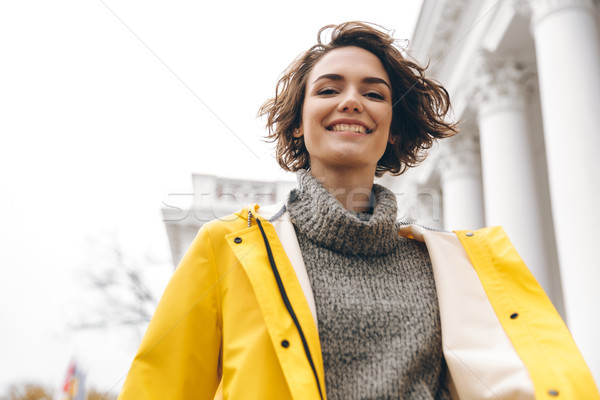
(351,102)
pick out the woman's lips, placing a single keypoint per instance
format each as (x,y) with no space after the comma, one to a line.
(345,127)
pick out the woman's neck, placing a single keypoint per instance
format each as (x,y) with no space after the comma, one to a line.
(350,187)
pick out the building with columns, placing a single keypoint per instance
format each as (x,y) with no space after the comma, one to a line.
(524,78)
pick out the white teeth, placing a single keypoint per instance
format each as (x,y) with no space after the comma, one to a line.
(349,127)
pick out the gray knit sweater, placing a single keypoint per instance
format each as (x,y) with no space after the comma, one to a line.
(375,297)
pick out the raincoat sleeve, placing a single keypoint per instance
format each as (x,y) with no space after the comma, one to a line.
(179,354)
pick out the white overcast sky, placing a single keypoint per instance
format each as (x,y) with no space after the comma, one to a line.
(107,107)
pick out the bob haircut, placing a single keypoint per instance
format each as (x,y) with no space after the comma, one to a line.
(419,105)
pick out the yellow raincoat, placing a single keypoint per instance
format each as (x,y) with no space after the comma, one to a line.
(237,320)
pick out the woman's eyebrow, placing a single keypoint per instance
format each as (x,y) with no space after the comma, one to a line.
(337,77)
(377,80)
(331,77)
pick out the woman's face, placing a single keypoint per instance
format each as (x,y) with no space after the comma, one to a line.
(347,112)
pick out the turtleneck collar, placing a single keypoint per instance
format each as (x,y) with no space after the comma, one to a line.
(318,215)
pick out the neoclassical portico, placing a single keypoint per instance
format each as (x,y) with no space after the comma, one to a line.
(524,77)
(502,92)
(568,55)
(460,175)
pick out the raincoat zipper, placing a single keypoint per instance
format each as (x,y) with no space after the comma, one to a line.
(285,298)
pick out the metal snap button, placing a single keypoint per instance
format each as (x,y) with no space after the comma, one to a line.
(285,344)
(238,240)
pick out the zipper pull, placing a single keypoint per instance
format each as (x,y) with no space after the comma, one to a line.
(249,218)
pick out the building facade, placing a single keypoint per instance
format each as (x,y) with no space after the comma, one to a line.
(524,78)
(213,197)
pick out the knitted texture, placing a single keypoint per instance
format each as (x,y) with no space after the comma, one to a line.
(375,297)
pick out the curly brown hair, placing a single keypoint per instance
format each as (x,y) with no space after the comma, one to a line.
(419,104)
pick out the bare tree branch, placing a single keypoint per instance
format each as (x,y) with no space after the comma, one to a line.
(126,299)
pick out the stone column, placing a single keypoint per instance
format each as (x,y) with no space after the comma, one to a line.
(502,91)
(567,45)
(460,173)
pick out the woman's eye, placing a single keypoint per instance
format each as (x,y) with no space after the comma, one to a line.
(327,91)
(375,95)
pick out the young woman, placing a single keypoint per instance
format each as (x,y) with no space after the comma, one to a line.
(327,296)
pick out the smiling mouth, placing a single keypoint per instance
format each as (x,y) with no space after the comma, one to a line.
(349,128)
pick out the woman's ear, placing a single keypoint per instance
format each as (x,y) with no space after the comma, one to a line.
(298,132)
(392,139)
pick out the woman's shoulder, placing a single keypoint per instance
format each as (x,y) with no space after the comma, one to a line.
(224,225)
(241,219)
